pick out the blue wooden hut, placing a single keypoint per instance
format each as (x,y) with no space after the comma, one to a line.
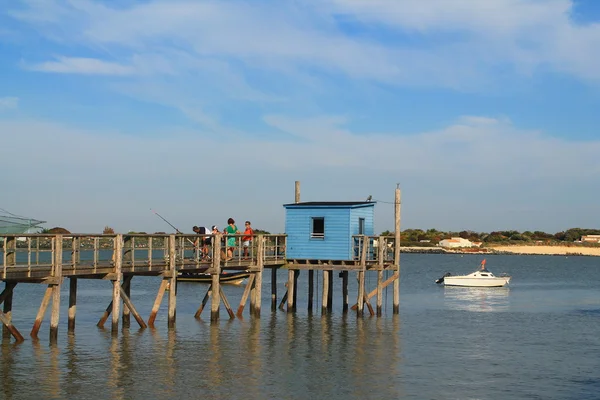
(323,230)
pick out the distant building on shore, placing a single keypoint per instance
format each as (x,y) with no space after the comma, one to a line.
(590,239)
(457,242)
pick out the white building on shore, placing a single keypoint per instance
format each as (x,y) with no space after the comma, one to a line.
(455,242)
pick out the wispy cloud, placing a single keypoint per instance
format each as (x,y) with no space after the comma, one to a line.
(9,103)
(84,66)
(454,35)
(514,167)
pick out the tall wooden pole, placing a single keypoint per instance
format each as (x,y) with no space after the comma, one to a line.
(72,303)
(396,308)
(216,267)
(172,283)
(116,300)
(292,274)
(55,313)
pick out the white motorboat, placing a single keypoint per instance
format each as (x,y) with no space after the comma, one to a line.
(480,278)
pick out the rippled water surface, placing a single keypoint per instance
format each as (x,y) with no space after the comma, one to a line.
(537,339)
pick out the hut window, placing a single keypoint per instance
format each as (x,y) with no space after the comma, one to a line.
(361,226)
(318,228)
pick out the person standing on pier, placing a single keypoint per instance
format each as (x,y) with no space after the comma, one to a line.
(203,240)
(247,239)
(230,230)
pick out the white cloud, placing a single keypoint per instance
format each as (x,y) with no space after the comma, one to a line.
(9,103)
(462,42)
(84,66)
(476,173)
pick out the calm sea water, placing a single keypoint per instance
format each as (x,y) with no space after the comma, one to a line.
(537,339)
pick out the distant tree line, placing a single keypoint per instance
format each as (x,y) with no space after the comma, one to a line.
(431,237)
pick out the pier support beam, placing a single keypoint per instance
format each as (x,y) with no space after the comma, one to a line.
(41,312)
(116,298)
(292,289)
(311,289)
(345,291)
(325,293)
(173,282)
(8,328)
(258,280)
(381,248)
(159,296)
(72,303)
(57,274)
(216,284)
(273,289)
(396,309)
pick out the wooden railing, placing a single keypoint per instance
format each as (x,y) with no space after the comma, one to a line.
(92,253)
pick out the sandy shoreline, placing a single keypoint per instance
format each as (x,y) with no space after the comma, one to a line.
(549,250)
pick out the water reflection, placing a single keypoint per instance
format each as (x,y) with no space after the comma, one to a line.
(477,299)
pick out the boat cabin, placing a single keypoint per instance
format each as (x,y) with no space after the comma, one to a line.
(324,230)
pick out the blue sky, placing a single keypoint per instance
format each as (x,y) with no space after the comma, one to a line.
(485,112)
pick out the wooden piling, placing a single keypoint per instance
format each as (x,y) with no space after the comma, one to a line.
(380,256)
(273,289)
(127,303)
(311,289)
(258,280)
(226,303)
(396,306)
(57,275)
(361,277)
(41,312)
(172,283)
(247,289)
(116,295)
(291,306)
(72,303)
(126,290)
(216,284)
(325,293)
(159,296)
(204,301)
(345,291)
(8,328)
(330,291)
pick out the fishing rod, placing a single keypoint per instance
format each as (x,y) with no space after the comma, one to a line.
(171,225)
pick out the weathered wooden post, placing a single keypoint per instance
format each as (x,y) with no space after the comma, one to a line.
(56,284)
(215,302)
(325,293)
(10,250)
(116,281)
(6,316)
(293,274)
(311,289)
(396,308)
(361,277)
(172,282)
(72,303)
(128,258)
(344,291)
(380,255)
(260,263)
(330,291)
(273,289)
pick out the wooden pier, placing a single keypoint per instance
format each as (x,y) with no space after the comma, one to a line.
(48,259)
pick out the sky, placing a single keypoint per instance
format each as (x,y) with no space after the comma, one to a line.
(485,113)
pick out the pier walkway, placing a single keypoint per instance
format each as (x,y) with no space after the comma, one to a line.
(48,259)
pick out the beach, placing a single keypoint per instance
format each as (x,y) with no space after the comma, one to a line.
(549,250)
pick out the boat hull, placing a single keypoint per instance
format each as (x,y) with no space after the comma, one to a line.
(236,278)
(470,281)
